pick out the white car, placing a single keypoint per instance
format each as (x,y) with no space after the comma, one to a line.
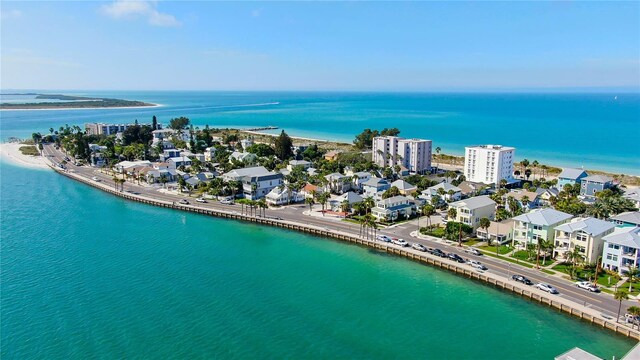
(586,285)
(472,251)
(548,288)
(201,200)
(477,264)
(95,178)
(400,242)
(383,238)
(226,201)
(418,247)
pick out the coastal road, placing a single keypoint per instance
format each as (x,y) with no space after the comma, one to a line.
(601,302)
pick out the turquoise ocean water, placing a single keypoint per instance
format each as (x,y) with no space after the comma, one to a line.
(88,275)
(591,130)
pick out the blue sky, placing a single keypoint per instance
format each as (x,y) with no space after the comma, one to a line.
(403,46)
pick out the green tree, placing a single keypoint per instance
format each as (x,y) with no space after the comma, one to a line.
(632,274)
(310,201)
(283,146)
(179,124)
(451,214)
(428,211)
(635,311)
(391,192)
(620,295)
(484,224)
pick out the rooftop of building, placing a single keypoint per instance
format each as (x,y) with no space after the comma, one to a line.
(545,216)
(474,202)
(591,226)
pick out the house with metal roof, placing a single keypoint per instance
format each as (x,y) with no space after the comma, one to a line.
(621,249)
(449,192)
(570,176)
(404,187)
(349,197)
(627,219)
(593,184)
(394,208)
(470,211)
(584,234)
(374,185)
(537,225)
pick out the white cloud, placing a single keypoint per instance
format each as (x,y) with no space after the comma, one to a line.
(131,9)
(10,14)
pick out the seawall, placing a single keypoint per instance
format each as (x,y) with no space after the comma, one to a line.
(586,314)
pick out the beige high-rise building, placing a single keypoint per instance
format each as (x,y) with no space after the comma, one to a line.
(414,154)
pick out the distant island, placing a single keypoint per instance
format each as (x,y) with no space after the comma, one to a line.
(72,102)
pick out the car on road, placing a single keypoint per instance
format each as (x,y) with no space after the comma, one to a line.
(628,318)
(226,201)
(400,242)
(586,285)
(548,288)
(183,201)
(95,178)
(455,257)
(201,200)
(477,264)
(522,279)
(438,252)
(419,247)
(473,251)
(384,238)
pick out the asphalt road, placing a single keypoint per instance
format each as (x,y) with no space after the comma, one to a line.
(600,301)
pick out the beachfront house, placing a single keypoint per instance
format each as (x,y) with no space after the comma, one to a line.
(621,249)
(393,209)
(338,183)
(129,166)
(470,188)
(593,184)
(448,193)
(176,162)
(404,187)
(627,219)
(308,190)
(470,211)
(374,185)
(537,225)
(584,234)
(545,195)
(501,231)
(570,176)
(633,196)
(350,198)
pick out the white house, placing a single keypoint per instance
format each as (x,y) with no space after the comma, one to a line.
(470,211)
(282,195)
(393,208)
(584,234)
(303,164)
(210,154)
(257,181)
(350,197)
(374,185)
(404,187)
(621,249)
(338,183)
(176,162)
(245,157)
(359,178)
(451,193)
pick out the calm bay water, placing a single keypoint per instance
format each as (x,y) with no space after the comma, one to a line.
(88,275)
(591,130)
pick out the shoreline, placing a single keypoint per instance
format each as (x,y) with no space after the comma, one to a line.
(85,108)
(10,152)
(567,306)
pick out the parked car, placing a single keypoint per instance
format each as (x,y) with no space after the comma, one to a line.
(183,201)
(473,251)
(548,288)
(438,252)
(477,264)
(455,257)
(522,279)
(201,200)
(628,318)
(586,285)
(419,247)
(383,238)
(400,242)
(226,201)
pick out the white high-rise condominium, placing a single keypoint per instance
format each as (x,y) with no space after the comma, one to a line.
(488,163)
(414,154)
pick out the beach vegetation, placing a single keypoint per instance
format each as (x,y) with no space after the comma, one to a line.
(29,150)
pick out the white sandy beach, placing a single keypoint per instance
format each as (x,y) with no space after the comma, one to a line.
(9,152)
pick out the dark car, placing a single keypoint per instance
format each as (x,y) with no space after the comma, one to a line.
(522,279)
(455,257)
(438,252)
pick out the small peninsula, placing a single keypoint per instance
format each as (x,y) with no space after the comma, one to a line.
(71,102)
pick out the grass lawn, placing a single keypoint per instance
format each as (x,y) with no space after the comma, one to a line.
(548,271)
(603,278)
(522,255)
(635,287)
(437,232)
(471,241)
(506,258)
(502,250)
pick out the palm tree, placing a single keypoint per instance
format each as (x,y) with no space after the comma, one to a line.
(262,203)
(452,213)
(484,224)
(345,206)
(368,203)
(632,273)
(620,295)
(323,199)
(546,246)
(115,182)
(535,164)
(428,211)
(438,149)
(574,256)
(310,202)
(524,164)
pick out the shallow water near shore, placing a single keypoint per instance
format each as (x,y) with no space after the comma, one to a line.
(596,131)
(86,274)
